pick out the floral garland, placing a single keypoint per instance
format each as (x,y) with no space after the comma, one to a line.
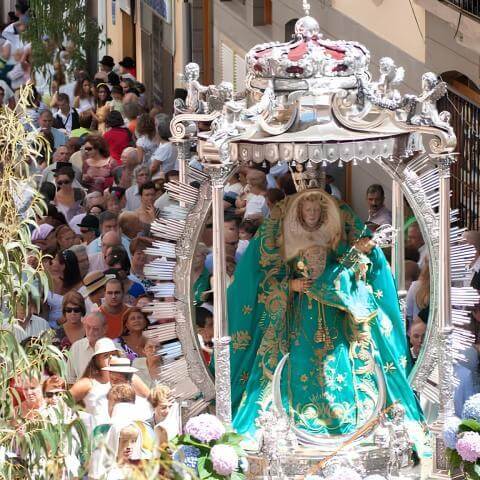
(209,451)
(462,439)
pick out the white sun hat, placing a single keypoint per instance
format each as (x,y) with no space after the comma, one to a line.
(104,345)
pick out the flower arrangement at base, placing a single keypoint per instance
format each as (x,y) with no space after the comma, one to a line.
(209,451)
(462,439)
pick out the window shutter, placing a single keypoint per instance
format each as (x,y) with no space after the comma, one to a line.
(227,62)
(240,67)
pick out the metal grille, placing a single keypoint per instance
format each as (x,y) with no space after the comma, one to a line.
(471,7)
(465,179)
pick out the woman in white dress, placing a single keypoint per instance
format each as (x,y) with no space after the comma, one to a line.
(92,388)
(84,101)
(418,296)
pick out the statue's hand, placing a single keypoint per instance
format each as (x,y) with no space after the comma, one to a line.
(365,245)
(300,285)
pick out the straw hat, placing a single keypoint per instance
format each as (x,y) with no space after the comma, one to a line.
(93,281)
(121,365)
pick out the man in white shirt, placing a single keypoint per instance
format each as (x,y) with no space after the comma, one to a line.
(45,121)
(378,213)
(330,185)
(132,194)
(82,350)
(29,324)
(66,118)
(164,158)
(164,200)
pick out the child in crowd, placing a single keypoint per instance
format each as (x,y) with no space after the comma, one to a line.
(204,322)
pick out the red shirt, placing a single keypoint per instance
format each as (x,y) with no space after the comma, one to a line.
(114,322)
(118,138)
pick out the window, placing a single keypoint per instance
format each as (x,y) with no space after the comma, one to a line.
(267,15)
(290,29)
(262,12)
(233,67)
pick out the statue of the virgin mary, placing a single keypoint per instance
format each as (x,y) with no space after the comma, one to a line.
(313,284)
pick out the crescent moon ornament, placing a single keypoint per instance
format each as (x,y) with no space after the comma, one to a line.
(327,443)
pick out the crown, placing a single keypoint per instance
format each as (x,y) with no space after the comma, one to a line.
(308,56)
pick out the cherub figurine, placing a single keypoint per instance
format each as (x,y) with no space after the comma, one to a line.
(267,423)
(400,444)
(390,77)
(425,110)
(196,91)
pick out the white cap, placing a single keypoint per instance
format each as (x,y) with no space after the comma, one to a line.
(104,345)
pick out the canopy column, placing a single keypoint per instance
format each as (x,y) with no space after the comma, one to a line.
(221,338)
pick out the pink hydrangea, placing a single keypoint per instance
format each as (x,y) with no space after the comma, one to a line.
(468,446)
(224,459)
(344,473)
(205,428)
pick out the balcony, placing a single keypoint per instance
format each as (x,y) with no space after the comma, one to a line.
(463,16)
(468,7)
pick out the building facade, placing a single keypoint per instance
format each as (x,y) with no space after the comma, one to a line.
(421,36)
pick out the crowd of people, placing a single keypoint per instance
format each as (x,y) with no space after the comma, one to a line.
(105,156)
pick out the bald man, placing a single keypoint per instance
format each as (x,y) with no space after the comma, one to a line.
(130,224)
(95,325)
(98,260)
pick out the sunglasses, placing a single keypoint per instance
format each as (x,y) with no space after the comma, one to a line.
(88,149)
(53,394)
(73,310)
(63,182)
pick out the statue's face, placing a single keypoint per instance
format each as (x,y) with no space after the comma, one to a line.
(192,71)
(311,213)
(386,65)
(429,81)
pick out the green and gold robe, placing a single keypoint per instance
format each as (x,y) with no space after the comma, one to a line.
(334,333)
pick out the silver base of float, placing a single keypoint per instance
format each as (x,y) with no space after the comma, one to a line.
(307,461)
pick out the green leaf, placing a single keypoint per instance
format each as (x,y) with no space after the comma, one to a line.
(469,426)
(203,472)
(188,440)
(472,470)
(231,438)
(237,476)
(454,459)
